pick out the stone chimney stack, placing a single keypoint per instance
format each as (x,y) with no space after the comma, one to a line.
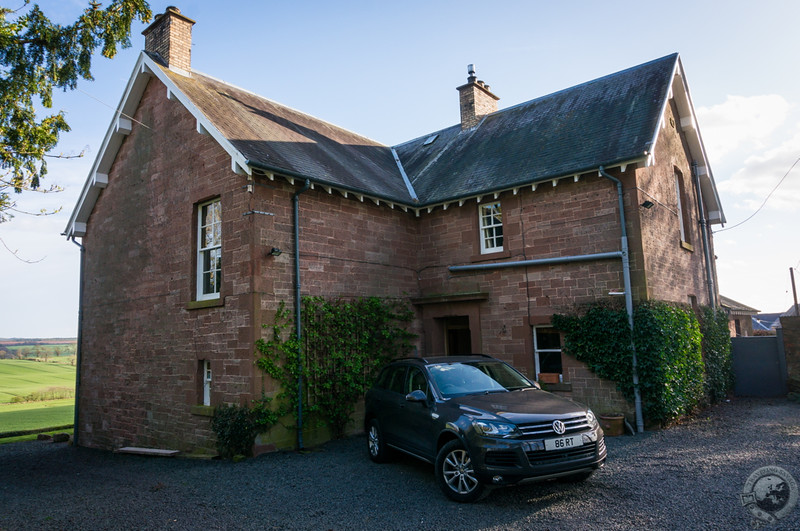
(169,37)
(475,99)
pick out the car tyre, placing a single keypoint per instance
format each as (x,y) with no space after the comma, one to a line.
(456,475)
(376,446)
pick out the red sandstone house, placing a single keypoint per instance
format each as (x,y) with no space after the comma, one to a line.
(486,228)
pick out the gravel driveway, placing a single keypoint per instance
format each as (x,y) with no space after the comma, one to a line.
(686,477)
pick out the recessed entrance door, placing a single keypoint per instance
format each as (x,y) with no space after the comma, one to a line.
(458,339)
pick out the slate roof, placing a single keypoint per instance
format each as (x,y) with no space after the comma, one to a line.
(277,138)
(606,122)
(760,325)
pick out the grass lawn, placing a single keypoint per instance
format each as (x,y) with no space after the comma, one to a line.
(36,415)
(25,377)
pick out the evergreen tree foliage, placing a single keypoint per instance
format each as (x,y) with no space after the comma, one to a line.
(36,56)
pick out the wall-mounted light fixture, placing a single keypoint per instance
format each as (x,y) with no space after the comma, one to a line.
(648,204)
(275,252)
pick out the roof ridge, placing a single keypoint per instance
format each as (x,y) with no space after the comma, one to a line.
(548,95)
(588,82)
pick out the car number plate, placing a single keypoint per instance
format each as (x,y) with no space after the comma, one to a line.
(563,443)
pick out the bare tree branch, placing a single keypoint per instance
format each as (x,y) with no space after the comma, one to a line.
(15,254)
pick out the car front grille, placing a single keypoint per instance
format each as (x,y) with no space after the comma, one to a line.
(540,458)
(538,430)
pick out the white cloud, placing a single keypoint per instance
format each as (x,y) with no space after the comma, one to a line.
(741,122)
(762,173)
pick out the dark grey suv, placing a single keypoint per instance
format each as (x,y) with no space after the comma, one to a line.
(481,423)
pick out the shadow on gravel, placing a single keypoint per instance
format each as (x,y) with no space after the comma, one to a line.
(690,476)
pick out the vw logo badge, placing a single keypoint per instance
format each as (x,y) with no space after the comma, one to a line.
(559,427)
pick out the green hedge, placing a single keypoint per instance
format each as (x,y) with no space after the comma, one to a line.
(670,350)
(717,353)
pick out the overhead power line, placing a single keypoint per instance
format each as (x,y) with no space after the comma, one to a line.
(762,204)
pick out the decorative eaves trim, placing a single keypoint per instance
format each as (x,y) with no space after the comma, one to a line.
(679,92)
(121,126)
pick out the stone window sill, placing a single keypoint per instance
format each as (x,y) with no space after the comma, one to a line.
(688,246)
(490,256)
(211,303)
(203,411)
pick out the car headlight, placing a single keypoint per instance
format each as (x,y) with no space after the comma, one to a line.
(494,429)
(590,418)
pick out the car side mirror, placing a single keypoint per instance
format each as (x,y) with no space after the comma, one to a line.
(417,396)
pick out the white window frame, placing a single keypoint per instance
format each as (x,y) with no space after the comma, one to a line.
(490,219)
(209,249)
(206,383)
(683,215)
(680,207)
(537,350)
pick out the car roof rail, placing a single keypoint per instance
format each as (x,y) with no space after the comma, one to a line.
(426,359)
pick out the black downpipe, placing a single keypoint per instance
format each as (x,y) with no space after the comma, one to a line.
(76,417)
(712,290)
(297,312)
(626,275)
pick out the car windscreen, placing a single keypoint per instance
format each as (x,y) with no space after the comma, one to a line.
(455,379)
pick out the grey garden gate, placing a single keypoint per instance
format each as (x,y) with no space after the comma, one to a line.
(759,365)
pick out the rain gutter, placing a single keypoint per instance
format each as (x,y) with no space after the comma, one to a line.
(297,311)
(320,182)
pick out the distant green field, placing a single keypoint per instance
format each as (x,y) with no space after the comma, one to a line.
(51,352)
(36,415)
(20,378)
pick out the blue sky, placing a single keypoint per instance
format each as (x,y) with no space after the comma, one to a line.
(388,70)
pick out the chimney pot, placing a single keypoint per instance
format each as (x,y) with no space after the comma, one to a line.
(475,100)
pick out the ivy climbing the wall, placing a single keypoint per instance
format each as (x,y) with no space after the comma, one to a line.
(344,342)
(670,360)
(670,348)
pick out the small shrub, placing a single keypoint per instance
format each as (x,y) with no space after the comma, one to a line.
(236,426)
(235,429)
